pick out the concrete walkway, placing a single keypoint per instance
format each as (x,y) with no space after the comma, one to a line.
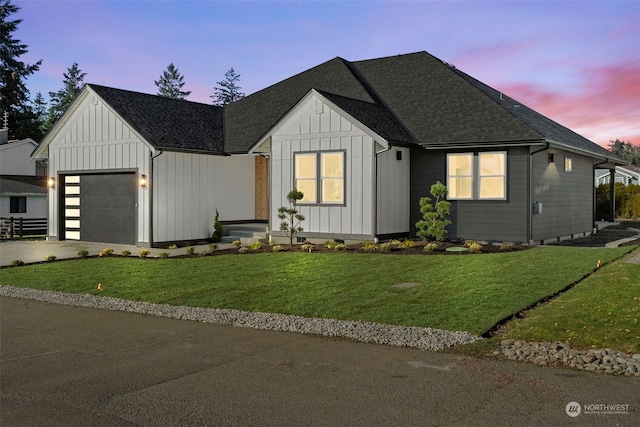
(35,251)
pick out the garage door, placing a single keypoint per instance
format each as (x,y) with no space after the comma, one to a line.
(101,208)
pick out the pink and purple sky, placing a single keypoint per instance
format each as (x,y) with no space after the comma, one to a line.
(577,62)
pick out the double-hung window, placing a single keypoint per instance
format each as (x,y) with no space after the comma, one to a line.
(481,176)
(320,177)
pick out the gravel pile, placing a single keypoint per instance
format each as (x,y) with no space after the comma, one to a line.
(401,336)
(558,353)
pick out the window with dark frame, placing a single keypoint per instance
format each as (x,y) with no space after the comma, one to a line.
(18,204)
(477,176)
(320,177)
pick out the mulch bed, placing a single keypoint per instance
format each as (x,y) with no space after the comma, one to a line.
(416,250)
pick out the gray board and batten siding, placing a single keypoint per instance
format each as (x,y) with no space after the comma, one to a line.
(490,220)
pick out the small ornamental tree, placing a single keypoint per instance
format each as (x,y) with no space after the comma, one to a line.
(290,217)
(435,216)
(218,230)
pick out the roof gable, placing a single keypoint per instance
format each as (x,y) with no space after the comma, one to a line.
(168,124)
(247,120)
(319,112)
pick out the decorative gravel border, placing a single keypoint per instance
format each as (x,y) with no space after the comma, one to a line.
(368,332)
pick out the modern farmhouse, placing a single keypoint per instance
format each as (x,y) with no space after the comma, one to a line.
(362,140)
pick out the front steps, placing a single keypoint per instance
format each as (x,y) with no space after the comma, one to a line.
(246,233)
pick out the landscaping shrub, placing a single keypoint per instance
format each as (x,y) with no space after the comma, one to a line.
(144,253)
(473,246)
(125,253)
(17,262)
(218,230)
(369,246)
(50,258)
(430,247)
(163,255)
(243,250)
(407,244)
(387,246)
(307,247)
(255,246)
(290,217)
(83,253)
(277,248)
(435,217)
(190,250)
(236,243)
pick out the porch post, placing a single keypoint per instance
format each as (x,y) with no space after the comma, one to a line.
(612,194)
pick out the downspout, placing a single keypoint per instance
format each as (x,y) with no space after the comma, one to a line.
(595,195)
(151,184)
(375,191)
(530,208)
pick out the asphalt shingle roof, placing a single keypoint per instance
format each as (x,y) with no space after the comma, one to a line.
(409,99)
(551,130)
(168,123)
(18,184)
(436,105)
(376,117)
(247,120)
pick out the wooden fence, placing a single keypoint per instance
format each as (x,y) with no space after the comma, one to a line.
(19,227)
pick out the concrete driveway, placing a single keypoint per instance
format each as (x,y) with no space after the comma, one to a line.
(35,251)
(63,365)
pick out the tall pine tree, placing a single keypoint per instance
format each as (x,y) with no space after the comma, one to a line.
(626,150)
(170,84)
(61,100)
(227,90)
(14,95)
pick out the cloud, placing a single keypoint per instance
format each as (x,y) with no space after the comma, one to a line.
(605,106)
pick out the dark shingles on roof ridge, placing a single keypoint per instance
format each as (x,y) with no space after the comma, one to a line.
(170,124)
(247,120)
(550,129)
(437,106)
(376,117)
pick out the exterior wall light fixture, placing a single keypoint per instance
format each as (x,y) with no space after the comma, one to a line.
(51,183)
(143,181)
(550,157)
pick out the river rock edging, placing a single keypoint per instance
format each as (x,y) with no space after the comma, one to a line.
(559,353)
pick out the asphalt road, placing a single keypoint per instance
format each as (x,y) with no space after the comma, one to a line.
(72,366)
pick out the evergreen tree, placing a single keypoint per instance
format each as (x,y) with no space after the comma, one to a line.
(626,150)
(40,110)
(227,90)
(14,95)
(170,84)
(62,99)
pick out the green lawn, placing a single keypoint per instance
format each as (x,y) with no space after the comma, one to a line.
(603,311)
(468,292)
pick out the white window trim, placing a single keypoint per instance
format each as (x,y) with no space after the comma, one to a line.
(319,178)
(476,175)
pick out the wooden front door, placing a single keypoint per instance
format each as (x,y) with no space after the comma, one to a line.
(262,188)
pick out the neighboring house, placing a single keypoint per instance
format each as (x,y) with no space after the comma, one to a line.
(23,191)
(362,140)
(624,175)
